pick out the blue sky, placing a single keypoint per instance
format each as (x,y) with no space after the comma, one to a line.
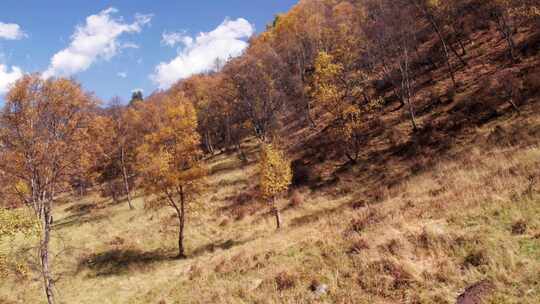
(114,47)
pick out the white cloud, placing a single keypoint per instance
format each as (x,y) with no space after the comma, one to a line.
(173,38)
(199,54)
(130,45)
(121,74)
(137,90)
(7,77)
(96,39)
(11,31)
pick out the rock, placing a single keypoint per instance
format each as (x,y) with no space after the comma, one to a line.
(476,293)
(254,284)
(319,289)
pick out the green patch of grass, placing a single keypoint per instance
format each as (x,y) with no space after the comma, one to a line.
(530,247)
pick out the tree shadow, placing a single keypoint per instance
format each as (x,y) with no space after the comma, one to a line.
(317,215)
(122,199)
(79,219)
(81,209)
(222,245)
(120,261)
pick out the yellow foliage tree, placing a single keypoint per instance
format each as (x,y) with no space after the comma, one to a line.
(337,92)
(169,160)
(275,176)
(13,222)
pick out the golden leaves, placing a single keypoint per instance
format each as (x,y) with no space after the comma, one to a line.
(325,89)
(12,222)
(275,171)
(169,158)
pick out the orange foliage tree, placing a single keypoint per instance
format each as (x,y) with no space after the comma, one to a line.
(42,126)
(169,160)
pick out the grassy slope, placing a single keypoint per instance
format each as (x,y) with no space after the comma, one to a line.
(440,231)
(398,227)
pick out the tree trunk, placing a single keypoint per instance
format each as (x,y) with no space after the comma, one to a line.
(311,122)
(406,88)
(113,191)
(241,153)
(459,56)
(506,31)
(462,46)
(228,137)
(48,283)
(181,223)
(352,160)
(513,104)
(81,188)
(126,181)
(411,108)
(445,48)
(277,214)
(180,213)
(208,143)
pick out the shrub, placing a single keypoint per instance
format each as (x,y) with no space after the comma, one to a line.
(285,280)
(475,259)
(385,278)
(117,241)
(393,247)
(365,219)
(358,204)
(358,246)
(519,227)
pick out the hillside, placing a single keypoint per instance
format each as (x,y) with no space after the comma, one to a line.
(447,213)
(431,235)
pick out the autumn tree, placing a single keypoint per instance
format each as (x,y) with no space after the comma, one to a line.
(508,86)
(235,124)
(298,36)
(105,164)
(169,160)
(260,85)
(121,141)
(275,176)
(41,124)
(508,14)
(391,31)
(429,10)
(198,89)
(454,21)
(339,91)
(214,98)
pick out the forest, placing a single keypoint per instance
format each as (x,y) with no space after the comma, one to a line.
(358,151)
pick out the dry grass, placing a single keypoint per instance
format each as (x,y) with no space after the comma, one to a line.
(444,229)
